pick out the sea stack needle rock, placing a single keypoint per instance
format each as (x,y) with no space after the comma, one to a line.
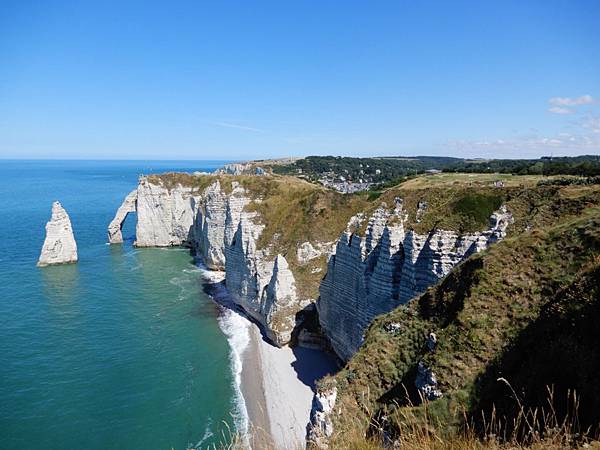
(59,246)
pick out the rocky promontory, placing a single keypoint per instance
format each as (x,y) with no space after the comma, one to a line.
(275,237)
(59,246)
(232,223)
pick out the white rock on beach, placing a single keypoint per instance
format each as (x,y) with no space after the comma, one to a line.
(59,246)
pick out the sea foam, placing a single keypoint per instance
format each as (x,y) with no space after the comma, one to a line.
(237,330)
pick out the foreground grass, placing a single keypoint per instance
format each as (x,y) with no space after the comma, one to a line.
(544,431)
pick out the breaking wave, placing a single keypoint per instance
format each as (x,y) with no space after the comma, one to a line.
(237,330)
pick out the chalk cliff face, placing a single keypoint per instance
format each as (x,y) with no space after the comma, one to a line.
(368,275)
(320,428)
(215,223)
(387,267)
(165,216)
(59,246)
(241,169)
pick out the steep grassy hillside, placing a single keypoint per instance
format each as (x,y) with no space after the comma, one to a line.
(523,313)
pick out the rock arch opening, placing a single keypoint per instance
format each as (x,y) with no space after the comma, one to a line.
(127,208)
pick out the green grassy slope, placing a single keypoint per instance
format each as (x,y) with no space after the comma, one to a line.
(525,310)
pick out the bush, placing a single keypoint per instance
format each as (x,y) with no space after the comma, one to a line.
(478,207)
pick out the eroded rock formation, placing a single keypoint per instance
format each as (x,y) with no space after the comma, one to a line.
(368,275)
(59,246)
(114,229)
(387,267)
(164,216)
(216,225)
(320,427)
(241,169)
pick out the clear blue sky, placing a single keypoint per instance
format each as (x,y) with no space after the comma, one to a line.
(257,79)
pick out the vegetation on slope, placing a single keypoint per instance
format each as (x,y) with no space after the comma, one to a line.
(523,311)
(385,170)
(295,211)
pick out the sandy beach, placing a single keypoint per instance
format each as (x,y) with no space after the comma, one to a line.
(254,393)
(277,384)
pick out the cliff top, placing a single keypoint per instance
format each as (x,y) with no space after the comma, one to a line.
(475,179)
(295,211)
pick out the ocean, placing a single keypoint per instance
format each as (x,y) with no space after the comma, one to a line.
(123,350)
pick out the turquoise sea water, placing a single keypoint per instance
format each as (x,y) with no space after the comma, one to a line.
(120,351)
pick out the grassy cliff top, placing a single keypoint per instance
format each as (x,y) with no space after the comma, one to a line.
(461,202)
(475,179)
(525,310)
(295,211)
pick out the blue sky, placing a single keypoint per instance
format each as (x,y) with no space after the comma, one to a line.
(235,80)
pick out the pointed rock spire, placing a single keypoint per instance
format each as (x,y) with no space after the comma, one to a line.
(59,246)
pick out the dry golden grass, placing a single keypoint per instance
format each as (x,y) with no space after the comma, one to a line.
(474,179)
(532,429)
(537,429)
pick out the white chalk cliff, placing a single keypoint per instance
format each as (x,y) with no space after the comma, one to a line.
(366,276)
(214,223)
(373,275)
(320,428)
(59,246)
(390,265)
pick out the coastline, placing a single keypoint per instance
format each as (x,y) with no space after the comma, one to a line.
(276,385)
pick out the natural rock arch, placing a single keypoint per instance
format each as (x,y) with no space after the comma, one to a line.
(129,205)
